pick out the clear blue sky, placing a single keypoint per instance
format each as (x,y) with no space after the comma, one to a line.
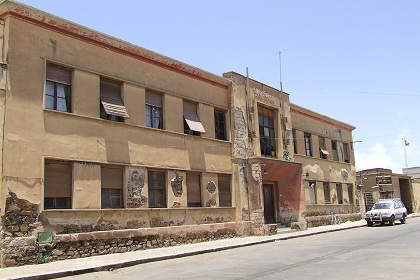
(355,61)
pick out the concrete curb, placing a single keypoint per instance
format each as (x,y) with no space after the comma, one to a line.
(128,263)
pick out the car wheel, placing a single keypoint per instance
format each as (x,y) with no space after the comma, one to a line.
(369,224)
(392,221)
(403,220)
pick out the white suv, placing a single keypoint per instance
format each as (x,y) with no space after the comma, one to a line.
(386,210)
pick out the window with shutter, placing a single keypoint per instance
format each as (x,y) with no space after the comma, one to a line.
(57,184)
(193,190)
(112,106)
(111,187)
(192,124)
(58,88)
(154,112)
(225,194)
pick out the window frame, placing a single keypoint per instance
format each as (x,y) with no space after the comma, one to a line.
(190,189)
(108,191)
(153,104)
(224,190)
(308,144)
(312,192)
(220,133)
(61,81)
(268,145)
(105,91)
(52,202)
(327,192)
(154,192)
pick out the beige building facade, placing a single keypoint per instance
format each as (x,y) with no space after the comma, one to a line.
(108,147)
(324,146)
(99,135)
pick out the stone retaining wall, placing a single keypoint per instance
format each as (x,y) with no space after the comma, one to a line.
(323,220)
(26,250)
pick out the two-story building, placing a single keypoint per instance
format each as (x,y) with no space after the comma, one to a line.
(108,147)
(99,135)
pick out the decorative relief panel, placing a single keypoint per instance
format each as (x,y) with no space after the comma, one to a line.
(135,185)
(176,184)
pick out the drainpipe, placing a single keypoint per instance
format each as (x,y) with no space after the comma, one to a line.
(3,90)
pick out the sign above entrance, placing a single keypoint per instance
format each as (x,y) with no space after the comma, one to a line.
(263,96)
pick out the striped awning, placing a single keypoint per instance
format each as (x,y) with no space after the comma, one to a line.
(111,100)
(190,116)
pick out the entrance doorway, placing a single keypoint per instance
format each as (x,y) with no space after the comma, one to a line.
(268,194)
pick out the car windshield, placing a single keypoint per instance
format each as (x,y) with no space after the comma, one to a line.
(382,206)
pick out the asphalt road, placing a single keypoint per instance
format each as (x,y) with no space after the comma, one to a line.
(380,252)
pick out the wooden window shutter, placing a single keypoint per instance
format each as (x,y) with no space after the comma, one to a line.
(58,179)
(111,99)
(225,196)
(153,99)
(193,189)
(111,178)
(58,74)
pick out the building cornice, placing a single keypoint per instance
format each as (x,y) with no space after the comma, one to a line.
(311,114)
(62,26)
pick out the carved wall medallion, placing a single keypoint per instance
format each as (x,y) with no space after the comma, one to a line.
(211,203)
(176,184)
(211,187)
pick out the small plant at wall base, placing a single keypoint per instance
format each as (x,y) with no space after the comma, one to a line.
(41,258)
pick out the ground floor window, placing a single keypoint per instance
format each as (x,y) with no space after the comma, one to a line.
(111,187)
(327,195)
(225,195)
(350,190)
(57,184)
(193,190)
(312,192)
(339,194)
(157,189)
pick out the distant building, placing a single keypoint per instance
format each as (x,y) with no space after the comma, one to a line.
(381,183)
(413,172)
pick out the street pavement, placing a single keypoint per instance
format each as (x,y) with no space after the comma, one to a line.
(79,266)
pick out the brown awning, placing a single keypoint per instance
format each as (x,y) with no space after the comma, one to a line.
(192,119)
(111,100)
(325,152)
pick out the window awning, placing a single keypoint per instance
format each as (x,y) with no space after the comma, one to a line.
(111,100)
(190,116)
(325,152)
(194,122)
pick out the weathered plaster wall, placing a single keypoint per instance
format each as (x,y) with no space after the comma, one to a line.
(82,135)
(416,195)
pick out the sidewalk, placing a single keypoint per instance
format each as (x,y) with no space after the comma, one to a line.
(113,261)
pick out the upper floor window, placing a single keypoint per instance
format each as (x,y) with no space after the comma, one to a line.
(57,184)
(334,146)
(154,112)
(266,128)
(308,144)
(111,187)
(220,125)
(112,106)
(295,146)
(58,88)
(346,152)
(323,153)
(192,124)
